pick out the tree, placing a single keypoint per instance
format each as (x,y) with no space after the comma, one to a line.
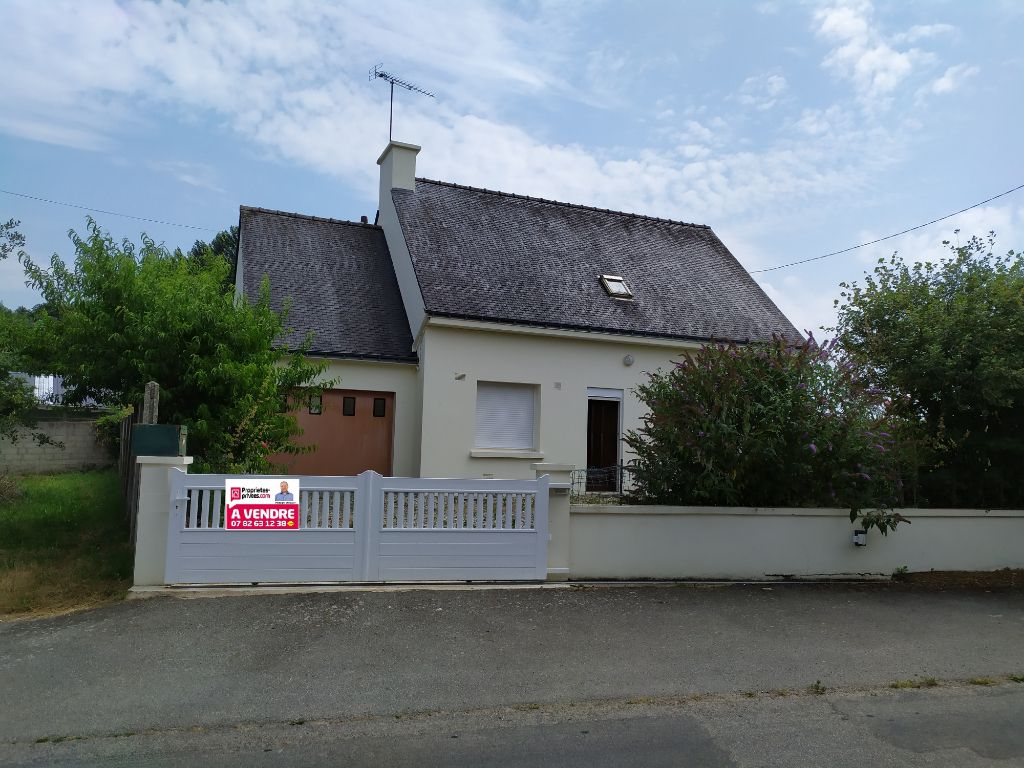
(223,246)
(770,425)
(949,336)
(17,397)
(122,316)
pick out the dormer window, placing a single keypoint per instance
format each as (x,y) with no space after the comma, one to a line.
(616,287)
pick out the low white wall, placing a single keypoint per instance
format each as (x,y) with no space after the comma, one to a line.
(627,542)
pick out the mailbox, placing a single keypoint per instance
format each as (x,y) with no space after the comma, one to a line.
(159,439)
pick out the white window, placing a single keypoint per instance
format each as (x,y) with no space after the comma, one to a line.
(505,415)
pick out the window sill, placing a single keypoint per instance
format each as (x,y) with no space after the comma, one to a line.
(504,453)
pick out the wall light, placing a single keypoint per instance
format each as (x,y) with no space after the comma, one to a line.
(628,360)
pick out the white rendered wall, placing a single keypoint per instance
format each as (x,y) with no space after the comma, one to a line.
(563,367)
(403,380)
(627,542)
(398,170)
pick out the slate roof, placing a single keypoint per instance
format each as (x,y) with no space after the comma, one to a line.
(340,278)
(486,255)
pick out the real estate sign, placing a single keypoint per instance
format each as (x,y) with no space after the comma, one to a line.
(262,504)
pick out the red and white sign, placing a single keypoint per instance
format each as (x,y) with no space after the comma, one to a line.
(264,504)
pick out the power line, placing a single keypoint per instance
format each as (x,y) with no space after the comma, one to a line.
(107,213)
(888,237)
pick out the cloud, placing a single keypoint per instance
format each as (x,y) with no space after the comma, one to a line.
(862,54)
(281,77)
(196,175)
(1007,221)
(761,92)
(923,32)
(951,80)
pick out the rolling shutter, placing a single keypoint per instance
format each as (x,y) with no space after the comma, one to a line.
(505,415)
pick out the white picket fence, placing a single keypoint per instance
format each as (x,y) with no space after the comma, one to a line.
(366,529)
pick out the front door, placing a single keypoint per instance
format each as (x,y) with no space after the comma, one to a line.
(353,431)
(602,445)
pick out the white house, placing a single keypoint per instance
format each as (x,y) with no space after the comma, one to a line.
(476,332)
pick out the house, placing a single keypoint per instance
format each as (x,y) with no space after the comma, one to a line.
(476,333)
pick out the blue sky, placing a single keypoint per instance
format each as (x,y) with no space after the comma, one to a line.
(792,128)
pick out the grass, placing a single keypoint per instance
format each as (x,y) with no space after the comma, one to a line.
(1017,678)
(63,544)
(982,681)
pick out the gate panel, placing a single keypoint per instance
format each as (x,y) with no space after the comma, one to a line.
(366,528)
(328,546)
(459,530)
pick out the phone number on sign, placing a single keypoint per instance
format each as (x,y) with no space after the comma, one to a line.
(265,524)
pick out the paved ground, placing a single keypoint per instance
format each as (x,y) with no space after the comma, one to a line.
(622,676)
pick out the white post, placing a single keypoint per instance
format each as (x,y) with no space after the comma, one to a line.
(558,517)
(154,508)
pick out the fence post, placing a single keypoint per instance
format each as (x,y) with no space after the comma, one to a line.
(558,517)
(154,509)
(151,403)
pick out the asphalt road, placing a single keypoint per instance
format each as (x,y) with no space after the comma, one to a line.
(623,676)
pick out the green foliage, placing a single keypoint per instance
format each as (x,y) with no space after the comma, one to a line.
(120,317)
(108,426)
(949,337)
(17,397)
(223,247)
(769,425)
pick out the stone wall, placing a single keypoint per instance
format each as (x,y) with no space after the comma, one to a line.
(81,449)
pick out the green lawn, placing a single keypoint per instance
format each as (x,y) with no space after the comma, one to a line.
(63,544)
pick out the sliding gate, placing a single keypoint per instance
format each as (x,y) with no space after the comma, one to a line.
(366,528)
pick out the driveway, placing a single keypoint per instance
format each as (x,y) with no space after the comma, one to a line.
(223,673)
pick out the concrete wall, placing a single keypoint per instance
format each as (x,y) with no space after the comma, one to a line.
(81,449)
(403,380)
(455,356)
(624,542)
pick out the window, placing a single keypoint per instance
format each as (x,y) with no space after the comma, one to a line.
(348,406)
(505,415)
(616,287)
(378,407)
(316,405)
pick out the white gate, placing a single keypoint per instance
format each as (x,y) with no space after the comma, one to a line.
(365,528)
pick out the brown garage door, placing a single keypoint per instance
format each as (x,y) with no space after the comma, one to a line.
(353,432)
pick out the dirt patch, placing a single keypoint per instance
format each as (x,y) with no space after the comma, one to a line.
(1006,579)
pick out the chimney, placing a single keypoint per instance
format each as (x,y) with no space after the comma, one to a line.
(397,168)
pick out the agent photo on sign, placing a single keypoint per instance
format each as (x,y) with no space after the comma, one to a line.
(285,494)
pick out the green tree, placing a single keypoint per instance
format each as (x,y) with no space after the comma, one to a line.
(949,336)
(120,317)
(223,246)
(17,397)
(770,425)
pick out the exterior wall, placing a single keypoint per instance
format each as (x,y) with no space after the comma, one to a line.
(81,449)
(403,380)
(454,358)
(609,542)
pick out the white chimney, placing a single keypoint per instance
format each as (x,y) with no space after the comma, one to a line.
(397,168)
(398,171)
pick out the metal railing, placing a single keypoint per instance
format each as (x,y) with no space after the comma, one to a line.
(601,483)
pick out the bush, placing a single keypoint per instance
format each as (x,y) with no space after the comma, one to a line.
(770,425)
(949,336)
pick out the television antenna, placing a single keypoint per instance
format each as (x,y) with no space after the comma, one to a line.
(377,72)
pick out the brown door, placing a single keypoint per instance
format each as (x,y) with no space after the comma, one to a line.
(353,432)
(602,445)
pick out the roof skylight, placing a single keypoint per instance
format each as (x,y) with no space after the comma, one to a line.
(616,287)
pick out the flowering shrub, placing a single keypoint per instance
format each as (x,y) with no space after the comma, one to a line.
(770,425)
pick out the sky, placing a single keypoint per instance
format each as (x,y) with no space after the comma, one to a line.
(792,128)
